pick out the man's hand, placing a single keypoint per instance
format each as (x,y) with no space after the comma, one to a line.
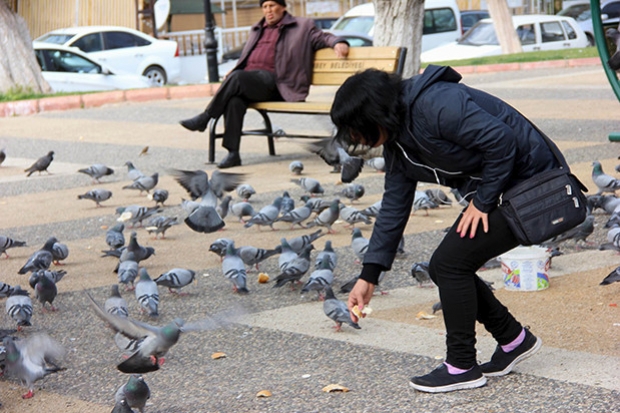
(470,219)
(341,49)
(360,296)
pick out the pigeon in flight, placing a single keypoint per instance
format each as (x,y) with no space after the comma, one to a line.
(335,155)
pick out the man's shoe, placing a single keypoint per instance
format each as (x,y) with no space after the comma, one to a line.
(197,123)
(233,159)
(502,363)
(440,381)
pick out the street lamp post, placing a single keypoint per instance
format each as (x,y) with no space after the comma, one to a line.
(210,44)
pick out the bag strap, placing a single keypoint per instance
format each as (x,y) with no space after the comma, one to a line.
(554,149)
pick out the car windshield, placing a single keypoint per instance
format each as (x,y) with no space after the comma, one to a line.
(55,38)
(360,24)
(480,34)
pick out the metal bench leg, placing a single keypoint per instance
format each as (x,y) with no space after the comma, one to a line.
(269,131)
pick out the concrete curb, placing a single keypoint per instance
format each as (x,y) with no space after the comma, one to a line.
(91,100)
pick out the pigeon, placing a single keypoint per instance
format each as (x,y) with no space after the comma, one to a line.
(296,167)
(614,60)
(245,191)
(147,293)
(3,156)
(160,224)
(327,217)
(297,244)
(122,407)
(19,307)
(205,219)
(128,271)
(55,276)
(6,243)
(317,204)
(198,185)
(608,203)
(151,345)
(135,393)
(437,196)
(267,215)
(297,215)
(219,246)
(288,203)
(159,196)
(144,184)
(115,304)
(309,185)
(372,210)
(422,201)
(135,214)
(41,164)
(5,290)
(97,171)
(114,236)
(353,216)
(253,256)
(612,277)
(98,195)
(378,163)
(233,268)
(140,252)
(337,310)
(45,291)
(132,172)
(419,271)
(328,254)
(175,279)
(224,206)
(604,182)
(359,244)
(32,358)
(335,155)
(41,259)
(295,269)
(60,252)
(353,192)
(287,254)
(459,198)
(579,233)
(319,279)
(242,209)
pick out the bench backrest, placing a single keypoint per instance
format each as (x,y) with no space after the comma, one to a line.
(329,70)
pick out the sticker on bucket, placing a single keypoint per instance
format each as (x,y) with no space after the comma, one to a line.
(526,268)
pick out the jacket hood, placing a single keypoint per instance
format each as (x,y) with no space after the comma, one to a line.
(432,74)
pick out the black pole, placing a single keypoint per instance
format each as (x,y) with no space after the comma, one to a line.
(210,44)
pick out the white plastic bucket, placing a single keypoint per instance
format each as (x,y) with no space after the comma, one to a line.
(526,268)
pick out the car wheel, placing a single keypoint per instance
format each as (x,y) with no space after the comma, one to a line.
(590,39)
(156,75)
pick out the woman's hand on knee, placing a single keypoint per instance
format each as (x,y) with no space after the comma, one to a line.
(360,296)
(470,219)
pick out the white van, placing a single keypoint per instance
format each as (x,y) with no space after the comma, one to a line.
(442,22)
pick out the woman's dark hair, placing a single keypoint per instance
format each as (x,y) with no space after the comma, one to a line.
(366,101)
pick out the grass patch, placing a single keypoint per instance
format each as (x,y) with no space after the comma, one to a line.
(22,93)
(562,54)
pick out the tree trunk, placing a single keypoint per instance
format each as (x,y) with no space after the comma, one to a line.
(505,30)
(18,64)
(399,23)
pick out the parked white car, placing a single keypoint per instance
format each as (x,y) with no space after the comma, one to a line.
(123,49)
(536,32)
(66,69)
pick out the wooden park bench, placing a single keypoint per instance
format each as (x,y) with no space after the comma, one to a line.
(328,70)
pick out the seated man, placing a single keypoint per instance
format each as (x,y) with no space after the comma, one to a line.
(276,64)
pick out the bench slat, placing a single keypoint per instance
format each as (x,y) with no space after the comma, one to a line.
(294,107)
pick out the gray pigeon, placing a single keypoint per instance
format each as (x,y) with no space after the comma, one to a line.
(319,279)
(614,60)
(122,407)
(328,254)
(6,243)
(327,217)
(288,203)
(97,171)
(233,268)
(309,185)
(579,233)
(604,182)
(5,290)
(253,256)
(60,252)
(267,215)
(612,277)
(353,216)
(224,206)
(245,191)
(242,209)
(135,393)
(373,210)
(295,269)
(160,224)
(298,244)
(19,307)
(378,163)
(317,204)
(114,236)
(128,271)
(175,279)
(337,310)
(98,195)
(45,291)
(419,271)
(353,192)
(2,156)
(438,196)
(422,201)
(296,167)
(147,293)
(219,246)
(335,155)
(133,173)
(159,196)
(287,254)
(297,215)
(459,198)
(135,214)
(55,276)
(198,184)
(41,259)
(608,203)
(140,252)
(151,345)
(205,219)
(41,164)
(32,358)
(115,304)
(144,184)
(359,244)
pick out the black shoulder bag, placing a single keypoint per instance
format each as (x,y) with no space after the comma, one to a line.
(546,204)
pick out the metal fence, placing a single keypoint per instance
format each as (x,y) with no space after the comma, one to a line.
(191,42)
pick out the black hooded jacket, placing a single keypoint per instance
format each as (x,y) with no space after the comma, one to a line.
(456,136)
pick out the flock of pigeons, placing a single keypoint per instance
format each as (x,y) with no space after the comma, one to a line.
(209,205)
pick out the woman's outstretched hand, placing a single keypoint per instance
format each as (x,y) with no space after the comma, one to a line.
(470,219)
(360,296)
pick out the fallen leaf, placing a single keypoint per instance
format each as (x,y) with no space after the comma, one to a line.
(263,393)
(218,355)
(331,388)
(613,305)
(422,315)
